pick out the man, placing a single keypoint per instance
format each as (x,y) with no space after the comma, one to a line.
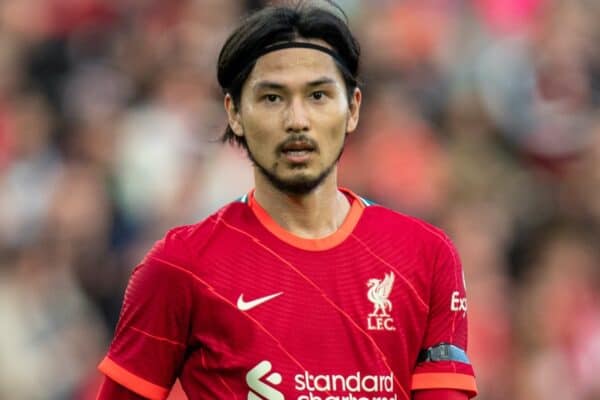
(300,289)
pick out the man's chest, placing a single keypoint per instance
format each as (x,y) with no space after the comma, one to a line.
(356,308)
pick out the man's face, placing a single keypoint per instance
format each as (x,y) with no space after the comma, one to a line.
(294,114)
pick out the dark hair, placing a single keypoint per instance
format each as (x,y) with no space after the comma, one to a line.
(277,24)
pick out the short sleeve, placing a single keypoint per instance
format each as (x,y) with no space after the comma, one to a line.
(443,362)
(150,341)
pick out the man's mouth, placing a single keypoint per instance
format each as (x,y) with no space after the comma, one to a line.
(290,147)
(297,151)
(294,153)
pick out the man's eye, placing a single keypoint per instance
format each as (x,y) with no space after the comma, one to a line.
(272,98)
(318,95)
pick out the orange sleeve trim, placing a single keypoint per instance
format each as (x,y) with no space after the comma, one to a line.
(444,380)
(132,381)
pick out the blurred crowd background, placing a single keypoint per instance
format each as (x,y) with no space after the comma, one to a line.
(480,116)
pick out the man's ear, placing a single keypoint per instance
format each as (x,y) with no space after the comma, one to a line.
(354,110)
(233,115)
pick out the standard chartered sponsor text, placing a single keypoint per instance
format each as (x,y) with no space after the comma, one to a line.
(319,387)
(350,383)
(264,384)
(347,397)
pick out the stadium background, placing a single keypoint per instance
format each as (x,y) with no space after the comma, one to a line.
(480,116)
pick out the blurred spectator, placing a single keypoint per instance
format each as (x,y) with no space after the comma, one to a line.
(558,317)
(28,181)
(51,336)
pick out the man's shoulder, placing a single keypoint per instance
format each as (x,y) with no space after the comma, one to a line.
(189,240)
(386,219)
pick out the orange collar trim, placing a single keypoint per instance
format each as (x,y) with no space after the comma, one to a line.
(356,209)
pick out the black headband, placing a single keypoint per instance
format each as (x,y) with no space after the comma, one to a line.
(302,45)
(287,45)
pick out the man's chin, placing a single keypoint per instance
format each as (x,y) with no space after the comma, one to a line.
(297,185)
(298,180)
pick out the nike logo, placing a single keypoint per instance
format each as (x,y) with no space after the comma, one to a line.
(249,305)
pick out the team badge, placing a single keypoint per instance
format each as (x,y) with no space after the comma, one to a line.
(378,293)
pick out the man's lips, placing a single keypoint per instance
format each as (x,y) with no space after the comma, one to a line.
(297,146)
(297,156)
(297,151)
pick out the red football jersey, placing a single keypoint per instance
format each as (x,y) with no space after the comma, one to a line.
(238,308)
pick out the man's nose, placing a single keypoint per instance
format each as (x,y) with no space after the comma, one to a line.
(296,118)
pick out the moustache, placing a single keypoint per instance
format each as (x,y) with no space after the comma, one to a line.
(298,141)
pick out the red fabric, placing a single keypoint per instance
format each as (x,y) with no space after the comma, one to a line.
(439,394)
(312,329)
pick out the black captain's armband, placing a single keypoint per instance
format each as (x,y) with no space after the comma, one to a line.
(443,352)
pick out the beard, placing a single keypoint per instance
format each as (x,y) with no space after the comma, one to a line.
(301,185)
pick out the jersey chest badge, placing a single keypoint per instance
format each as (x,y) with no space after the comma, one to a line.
(378,293)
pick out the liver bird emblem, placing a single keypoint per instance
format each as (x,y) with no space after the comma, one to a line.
(379,291)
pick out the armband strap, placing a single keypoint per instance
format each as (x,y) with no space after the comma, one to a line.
(443,352)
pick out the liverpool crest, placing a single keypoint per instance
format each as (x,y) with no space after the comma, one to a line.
(378,293)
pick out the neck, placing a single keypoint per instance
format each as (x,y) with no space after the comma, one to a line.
(313,215)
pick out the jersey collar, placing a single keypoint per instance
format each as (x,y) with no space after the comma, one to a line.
(356,209)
